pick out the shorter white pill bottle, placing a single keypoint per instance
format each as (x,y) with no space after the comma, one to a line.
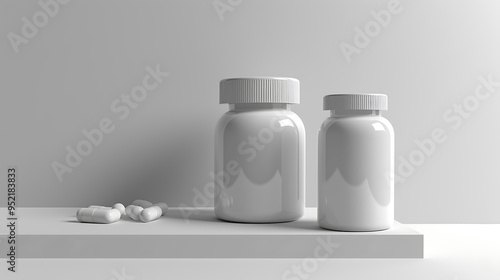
(259,152)
(356,164)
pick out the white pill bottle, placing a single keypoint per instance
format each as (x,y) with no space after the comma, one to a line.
(259,152)
(356,164)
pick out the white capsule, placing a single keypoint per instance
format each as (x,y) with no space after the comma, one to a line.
(133,211)
(117,206)
(150,214)
(98,215)
(120,207)
(99,207)
(163,206)
(128,209)
(142,203)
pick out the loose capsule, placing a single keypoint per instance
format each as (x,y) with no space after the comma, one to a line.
(142,203)
(128,209)
(120,207)
(163,206)
(97,215)
(99,207)
(133,211)
(117,206)
(150,214)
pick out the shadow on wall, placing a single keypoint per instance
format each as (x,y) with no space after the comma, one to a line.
(154,163)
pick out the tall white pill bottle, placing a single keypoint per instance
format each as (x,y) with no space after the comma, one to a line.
(356,164)
(259,152)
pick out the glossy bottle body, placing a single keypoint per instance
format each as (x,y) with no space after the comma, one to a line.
(259,164)
(356,163)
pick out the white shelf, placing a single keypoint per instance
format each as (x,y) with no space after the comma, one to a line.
(55,233)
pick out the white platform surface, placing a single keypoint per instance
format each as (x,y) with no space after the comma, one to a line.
(55,233)
(452,252)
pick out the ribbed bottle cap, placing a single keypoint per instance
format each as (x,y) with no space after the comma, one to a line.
(355,101)
(260,90)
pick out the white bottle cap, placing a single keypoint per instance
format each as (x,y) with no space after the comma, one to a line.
(260,90)
(355,101)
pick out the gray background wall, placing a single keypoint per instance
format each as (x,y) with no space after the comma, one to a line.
(65,78)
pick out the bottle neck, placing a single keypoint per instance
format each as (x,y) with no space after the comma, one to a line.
(353,113)
(258,106)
